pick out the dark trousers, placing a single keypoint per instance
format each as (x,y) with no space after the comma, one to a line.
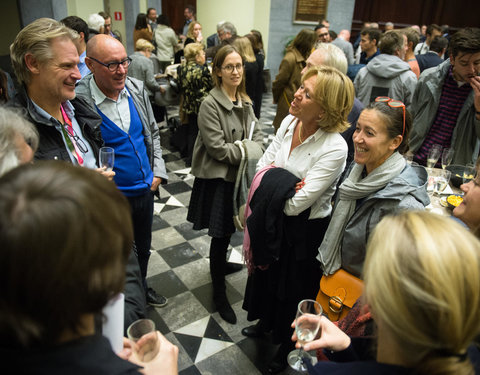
(192,132)
(142,217)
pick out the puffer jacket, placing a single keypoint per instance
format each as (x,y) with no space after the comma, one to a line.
(407,191)
(385,75)
(220,124)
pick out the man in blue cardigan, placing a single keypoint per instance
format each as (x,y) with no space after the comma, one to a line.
(128,126)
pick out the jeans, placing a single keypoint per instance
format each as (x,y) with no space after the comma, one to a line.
(142,218)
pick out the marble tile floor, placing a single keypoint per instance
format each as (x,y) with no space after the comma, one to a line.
(179,269)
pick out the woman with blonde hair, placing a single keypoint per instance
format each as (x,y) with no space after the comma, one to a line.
(289,74)
(308,144)
(422,285)
(252,70)
(194,34)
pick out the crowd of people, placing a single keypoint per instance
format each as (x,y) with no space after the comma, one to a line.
(333,191)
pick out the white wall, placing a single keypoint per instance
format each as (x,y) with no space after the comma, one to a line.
(244,14)
(83,8)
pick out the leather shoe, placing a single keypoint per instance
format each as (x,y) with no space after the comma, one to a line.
(252,331)
(155,299)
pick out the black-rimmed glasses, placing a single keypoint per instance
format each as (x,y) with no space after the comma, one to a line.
(230,68)
(79,142)
(393,104)
(113,66)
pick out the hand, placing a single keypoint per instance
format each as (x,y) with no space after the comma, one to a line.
(155,183)
(109,175)
(299,185)
(127,349)
(331,337)
(165,362)
(475,83)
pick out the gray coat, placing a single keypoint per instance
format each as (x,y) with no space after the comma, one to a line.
(385,75)
(142,68)
(220,124)
(465,137)
(407,191)
(144,108)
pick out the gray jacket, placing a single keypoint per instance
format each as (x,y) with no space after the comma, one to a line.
(407,191)
(142,68)
(220,124)
(347,49)
(144,108)
(385,75)
(465,137)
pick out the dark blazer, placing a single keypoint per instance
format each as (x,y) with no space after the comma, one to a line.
(428,60)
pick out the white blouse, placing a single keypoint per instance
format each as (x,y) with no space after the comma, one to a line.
(320,159)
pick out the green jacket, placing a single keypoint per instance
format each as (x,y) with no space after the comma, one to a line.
(465,137)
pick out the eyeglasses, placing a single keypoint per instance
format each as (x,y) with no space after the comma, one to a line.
(80,144)
(393,104)
(113,66)
(230,68)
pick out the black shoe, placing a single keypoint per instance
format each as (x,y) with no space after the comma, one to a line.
(224,309)
(252,331)
(232,268)
(155,299)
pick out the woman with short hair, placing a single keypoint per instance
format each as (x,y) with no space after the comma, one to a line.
(422,286)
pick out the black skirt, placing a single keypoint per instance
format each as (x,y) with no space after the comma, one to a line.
(211,206)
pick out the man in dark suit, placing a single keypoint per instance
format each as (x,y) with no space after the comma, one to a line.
(432,58)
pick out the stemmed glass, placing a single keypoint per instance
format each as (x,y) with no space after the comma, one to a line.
(306,329)
(433,156)
(468,173)
(447,157)
(106,158)
(441,181)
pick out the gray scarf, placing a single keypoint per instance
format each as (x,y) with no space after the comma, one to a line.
(353,188)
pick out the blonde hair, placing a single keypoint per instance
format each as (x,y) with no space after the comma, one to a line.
(192,50)
(244,46)
(334,93)
(422,282)
(36,38)
(144,45)
(190,30)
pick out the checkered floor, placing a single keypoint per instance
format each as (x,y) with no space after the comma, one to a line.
(179,269)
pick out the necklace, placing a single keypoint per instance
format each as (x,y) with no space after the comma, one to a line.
(300,133)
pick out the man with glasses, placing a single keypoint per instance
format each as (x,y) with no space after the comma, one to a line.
(129,127)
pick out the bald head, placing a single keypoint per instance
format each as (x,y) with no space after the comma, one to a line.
(108,62)
(344,34)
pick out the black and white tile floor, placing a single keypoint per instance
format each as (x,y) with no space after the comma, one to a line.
(179,269)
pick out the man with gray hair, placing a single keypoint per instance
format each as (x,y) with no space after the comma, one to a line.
(44,58)
(18,140)
(227,33)
(330,55)
(214,39)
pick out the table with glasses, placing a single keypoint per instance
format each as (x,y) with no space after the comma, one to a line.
(440,186)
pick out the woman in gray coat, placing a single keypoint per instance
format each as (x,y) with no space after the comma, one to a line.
(225,116)
(379,182)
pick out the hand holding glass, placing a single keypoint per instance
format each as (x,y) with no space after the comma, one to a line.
(106,158)
(306,329)
(144,339)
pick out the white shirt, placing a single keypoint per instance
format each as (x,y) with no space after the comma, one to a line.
(320,159)
(118,111)
(421,48)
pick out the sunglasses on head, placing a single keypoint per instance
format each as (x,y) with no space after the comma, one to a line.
(393,104)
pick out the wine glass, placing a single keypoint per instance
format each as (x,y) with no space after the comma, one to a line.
(433,156)
(145,344)
(106,158)
(441,181)
(307,324)
(468,173)
(447,157)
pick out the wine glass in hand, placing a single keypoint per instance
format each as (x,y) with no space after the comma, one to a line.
(106,158)
(307,325)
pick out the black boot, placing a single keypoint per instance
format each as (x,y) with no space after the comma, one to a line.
(218,264)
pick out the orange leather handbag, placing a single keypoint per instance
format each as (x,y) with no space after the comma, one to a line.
(338,293)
